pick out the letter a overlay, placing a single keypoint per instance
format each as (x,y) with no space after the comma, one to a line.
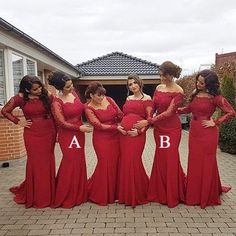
(74,142)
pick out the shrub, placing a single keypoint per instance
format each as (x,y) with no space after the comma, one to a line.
(227,137)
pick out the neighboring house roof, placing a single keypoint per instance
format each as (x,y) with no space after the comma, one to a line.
(117,63)
(4,25)
(226,54)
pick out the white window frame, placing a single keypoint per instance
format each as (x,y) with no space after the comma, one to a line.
(4,76)
(9,69)
(25,63)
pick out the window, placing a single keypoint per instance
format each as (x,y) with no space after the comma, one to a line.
(2,80)
(30,67)
(17,66)
(18,71)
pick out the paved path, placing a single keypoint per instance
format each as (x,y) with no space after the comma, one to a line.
(147,220)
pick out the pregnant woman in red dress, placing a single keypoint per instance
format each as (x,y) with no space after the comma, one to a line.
(38,189)
(167,181)
(133,180)
(104,114)
(203,181)
(71,181)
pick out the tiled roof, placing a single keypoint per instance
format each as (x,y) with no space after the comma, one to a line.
(118,63)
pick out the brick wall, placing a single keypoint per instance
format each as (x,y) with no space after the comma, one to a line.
(226,64)
(11,138)
(221,59)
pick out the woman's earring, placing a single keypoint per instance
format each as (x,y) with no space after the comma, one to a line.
(26,90)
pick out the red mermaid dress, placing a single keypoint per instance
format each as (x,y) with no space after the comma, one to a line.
(38,189)
(167,181)
(71,180)
(103,183)
(133,180)
(203,180)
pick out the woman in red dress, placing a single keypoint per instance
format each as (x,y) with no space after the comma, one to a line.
(104,114)
(133,180)
(71,181)
(38,189)
(203,181)
(167,181)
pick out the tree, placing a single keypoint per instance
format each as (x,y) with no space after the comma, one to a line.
(188,85)
(227,138)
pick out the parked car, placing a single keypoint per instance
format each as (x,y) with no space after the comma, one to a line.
(185,119)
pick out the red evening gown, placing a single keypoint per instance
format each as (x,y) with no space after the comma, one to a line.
(103,182)
(38,189)
(203,181)
(133,180)
(167,181)
(71,180)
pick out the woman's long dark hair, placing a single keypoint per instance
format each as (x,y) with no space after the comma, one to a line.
(212,83)
(26,84)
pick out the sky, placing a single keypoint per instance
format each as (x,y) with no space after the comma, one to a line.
(186,32)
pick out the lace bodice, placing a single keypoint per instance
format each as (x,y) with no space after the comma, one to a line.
(68,115)
(165,104)
(33,108)
(104,119)
(205,107)
(143,108)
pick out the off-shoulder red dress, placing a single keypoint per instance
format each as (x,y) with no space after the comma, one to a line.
(133,180)
(71,180)
(103,182)
(167,181)
(38,189)
(203,181)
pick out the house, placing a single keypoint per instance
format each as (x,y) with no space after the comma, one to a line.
(20,54)
(226,63)
(112,71)
(220,59)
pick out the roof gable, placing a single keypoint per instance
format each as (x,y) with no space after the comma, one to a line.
(118,63)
